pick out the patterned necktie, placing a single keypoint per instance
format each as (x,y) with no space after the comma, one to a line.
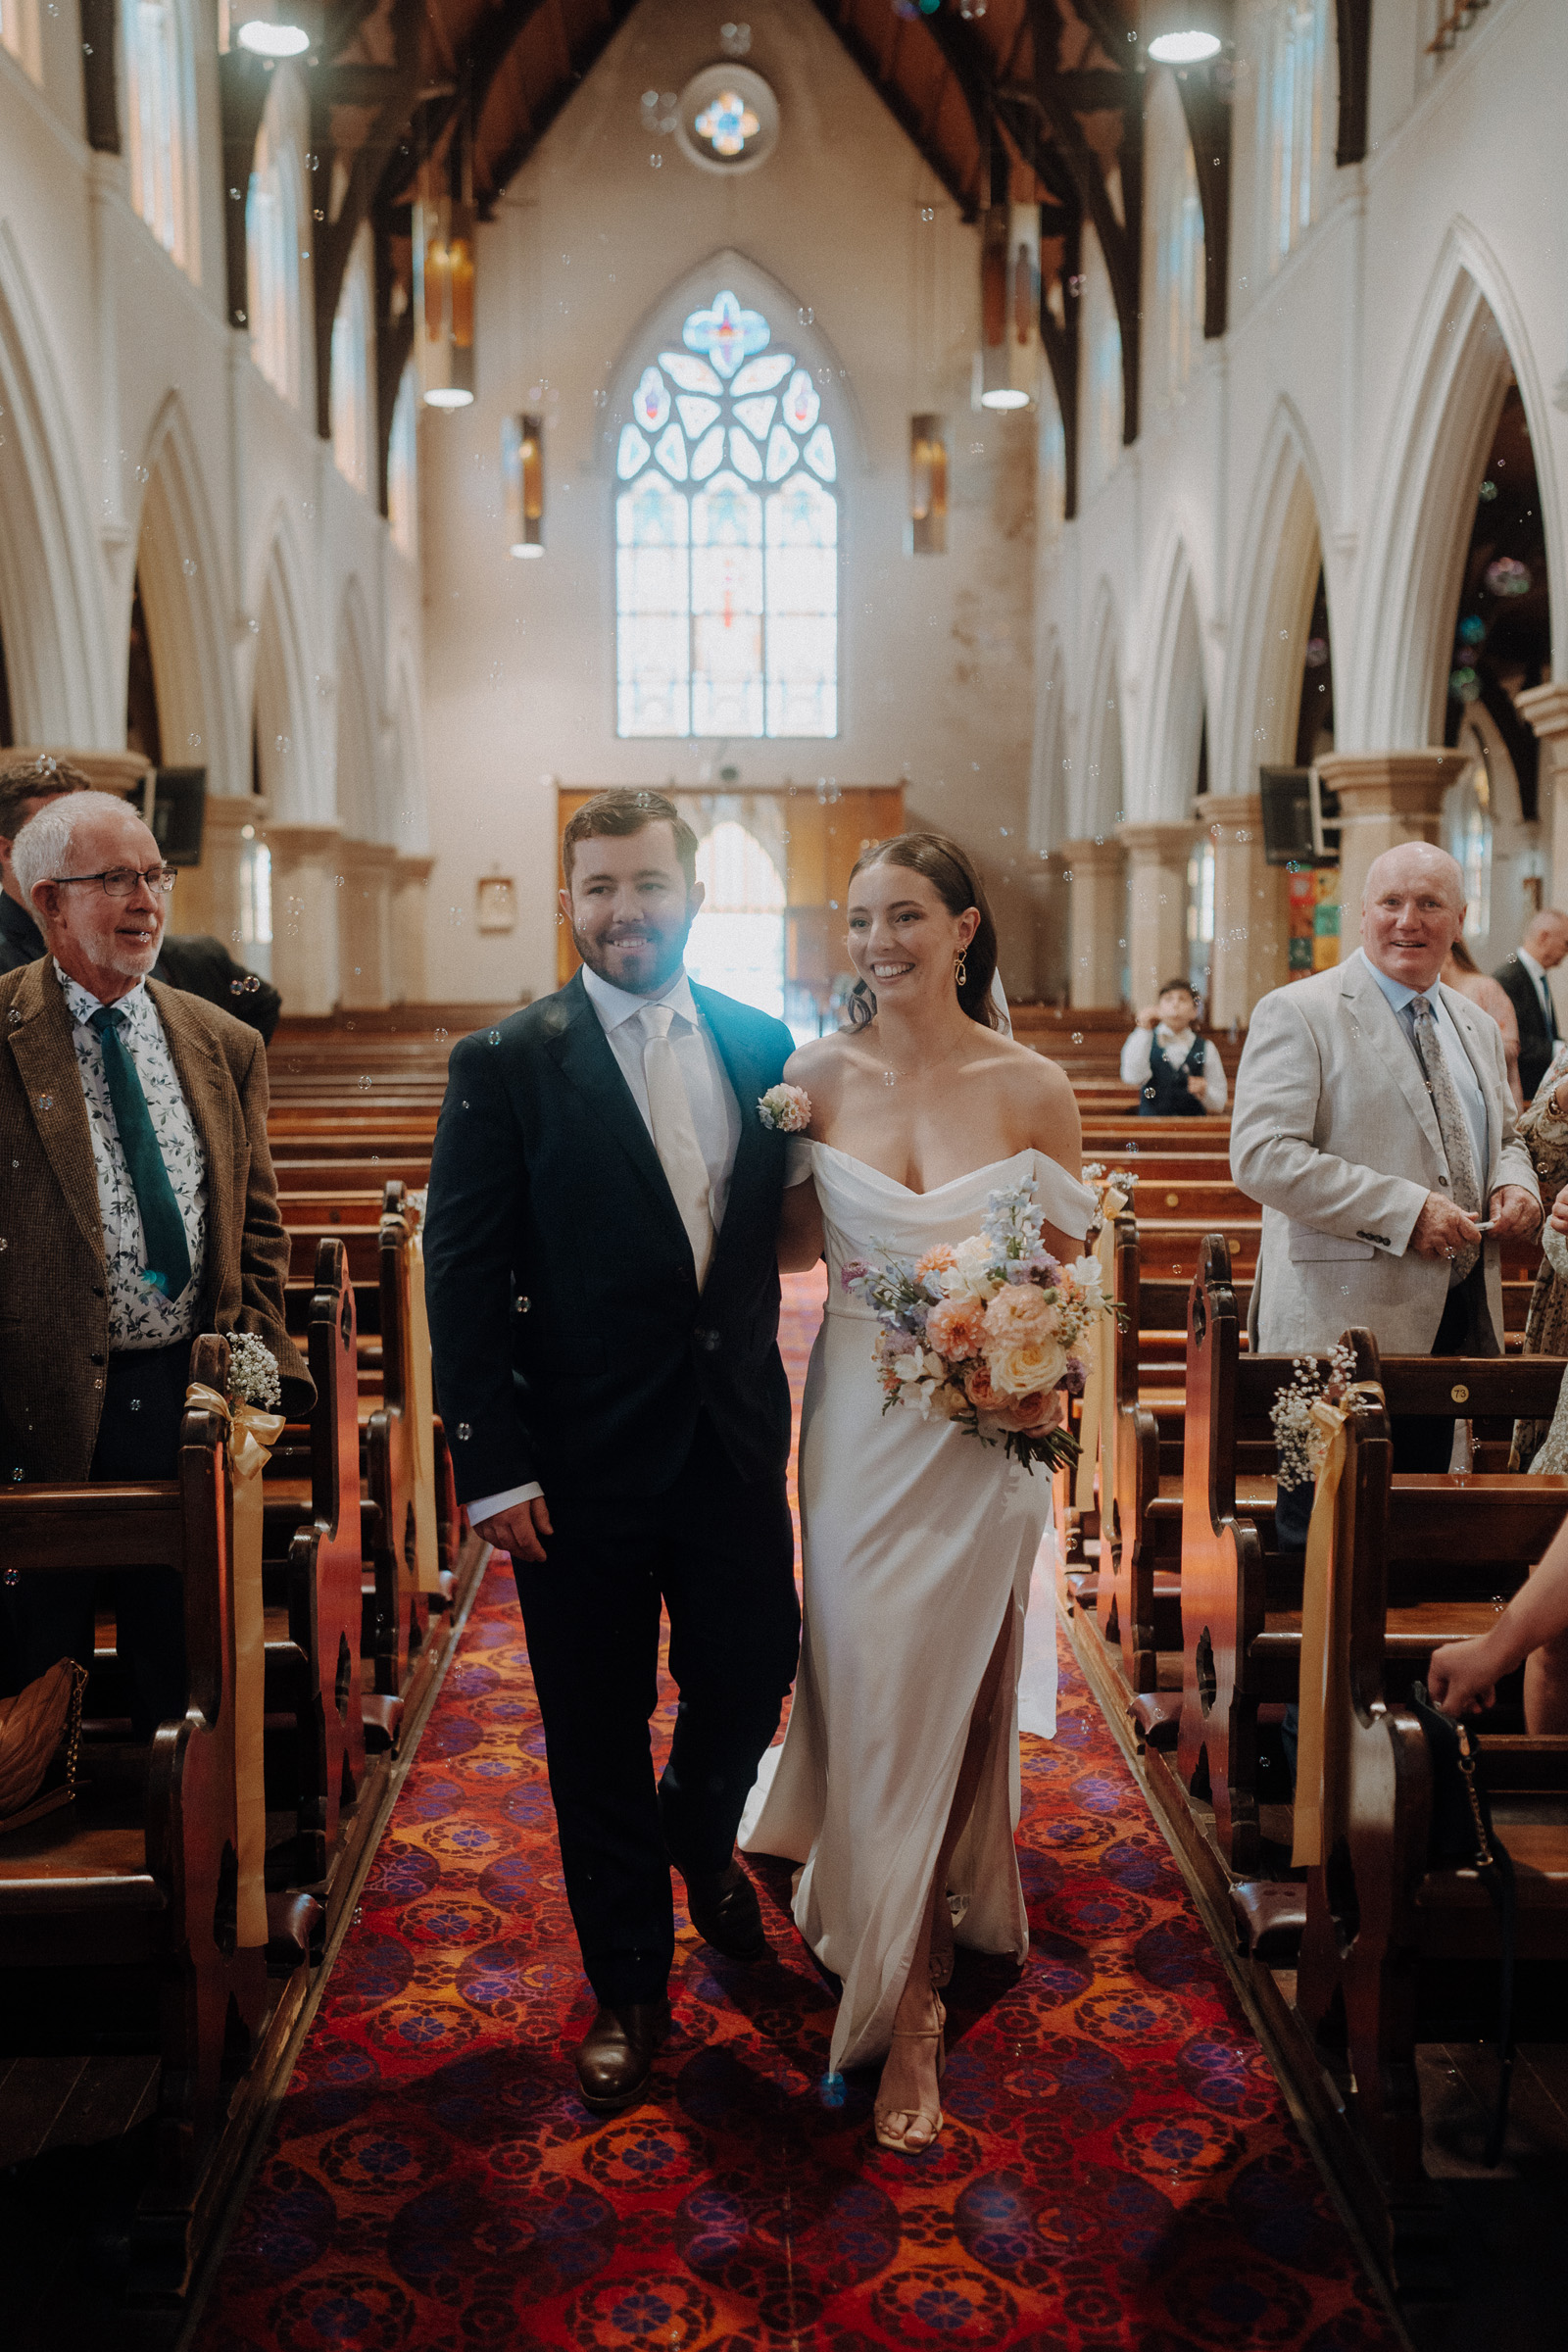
(680,1155)
(1452,1125)
(163,1227)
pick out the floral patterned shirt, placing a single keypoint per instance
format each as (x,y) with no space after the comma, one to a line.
(140,1316)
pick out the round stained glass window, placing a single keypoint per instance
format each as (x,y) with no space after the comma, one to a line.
(727,119)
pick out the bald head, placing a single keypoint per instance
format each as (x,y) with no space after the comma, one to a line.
(1547,938)
(1412,911)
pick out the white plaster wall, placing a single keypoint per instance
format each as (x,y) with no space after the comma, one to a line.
(1337,365)
(115,354)
(936,652)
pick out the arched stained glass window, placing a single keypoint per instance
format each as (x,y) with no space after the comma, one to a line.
(726,540)
(161,125)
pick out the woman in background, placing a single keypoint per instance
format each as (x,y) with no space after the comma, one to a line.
(1461,971)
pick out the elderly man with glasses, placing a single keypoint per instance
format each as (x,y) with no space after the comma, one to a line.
(137,1208)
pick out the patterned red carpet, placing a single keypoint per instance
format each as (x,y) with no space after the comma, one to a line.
(1118,2168)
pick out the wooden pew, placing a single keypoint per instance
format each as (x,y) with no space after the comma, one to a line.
(1395,1953)
(1241,1597)
(132,1888)
(314,1539)
(396,1610)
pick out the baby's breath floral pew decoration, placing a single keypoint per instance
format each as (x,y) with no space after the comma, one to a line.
(1300,1439)
(253,1372)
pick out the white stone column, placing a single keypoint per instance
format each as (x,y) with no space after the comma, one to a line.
(1252,908)
(305,864)
(1157,904)
(1095,874)
(1385,798)
(208,896)
(365,934)
(409,879)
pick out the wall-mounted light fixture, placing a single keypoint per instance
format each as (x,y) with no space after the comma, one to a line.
(1006,365)
(1186,32)
(444,248)
(522,477)
(270,27)
(928,485)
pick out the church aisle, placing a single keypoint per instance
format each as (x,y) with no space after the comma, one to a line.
(1118,2166)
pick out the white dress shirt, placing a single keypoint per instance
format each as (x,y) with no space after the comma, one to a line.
(716,1114)
(1538,973)
(1137,1056)
(140,1316)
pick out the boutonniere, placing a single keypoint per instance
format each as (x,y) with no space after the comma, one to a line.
(786,1108)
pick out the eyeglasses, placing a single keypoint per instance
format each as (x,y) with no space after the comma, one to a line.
(120,880)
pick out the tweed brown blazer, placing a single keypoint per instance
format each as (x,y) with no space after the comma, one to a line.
(53,1306)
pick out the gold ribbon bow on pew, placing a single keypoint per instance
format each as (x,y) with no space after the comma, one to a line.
(1324,1703)
(252,1435)
(1099,1410)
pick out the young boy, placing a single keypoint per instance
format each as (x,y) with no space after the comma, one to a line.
(1178,1074)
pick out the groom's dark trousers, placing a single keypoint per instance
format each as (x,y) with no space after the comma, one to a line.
(572,1348)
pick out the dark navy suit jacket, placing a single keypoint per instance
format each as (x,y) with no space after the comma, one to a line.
(571,1344)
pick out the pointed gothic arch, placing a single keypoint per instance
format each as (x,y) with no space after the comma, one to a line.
(1276,582)
(1167,777)
(182,576)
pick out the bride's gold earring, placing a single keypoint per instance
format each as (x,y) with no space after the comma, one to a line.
(960,969)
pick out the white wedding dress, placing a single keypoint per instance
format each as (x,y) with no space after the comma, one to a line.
(918,1541)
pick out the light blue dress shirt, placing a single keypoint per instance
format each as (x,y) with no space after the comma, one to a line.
(1461,1069)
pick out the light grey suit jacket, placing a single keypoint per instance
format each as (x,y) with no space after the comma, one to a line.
(1335,1134)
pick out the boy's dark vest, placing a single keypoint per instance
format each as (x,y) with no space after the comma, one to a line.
(1164,1095)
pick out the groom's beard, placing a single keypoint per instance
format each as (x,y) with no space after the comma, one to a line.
(641,966)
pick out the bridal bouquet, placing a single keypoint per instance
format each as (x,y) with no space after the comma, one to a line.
(985,1332)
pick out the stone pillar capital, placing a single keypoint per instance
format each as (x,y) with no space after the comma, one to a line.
(1157,843)
(1231,819)
(367,857)
(414,865)
(1102,855)
(306,843)
(1408,784)
(233,811)
(1546,710)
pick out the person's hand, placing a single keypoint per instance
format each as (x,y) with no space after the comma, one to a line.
(1560,1099)
(1149,1018)
(1197,1086)
(1560,1212)
(518,1529)
(1442,1228)
(1461,1679)
(1514,1212)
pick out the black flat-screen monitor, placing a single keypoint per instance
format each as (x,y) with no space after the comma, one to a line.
(1290,836)
(179,812)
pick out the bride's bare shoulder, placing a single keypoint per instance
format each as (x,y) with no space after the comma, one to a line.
(820,1066)
(1043,1092)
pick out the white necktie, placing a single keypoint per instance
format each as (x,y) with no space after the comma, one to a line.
(680,1155)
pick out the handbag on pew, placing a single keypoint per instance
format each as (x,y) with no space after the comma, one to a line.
(33,1727)
(1462,1837)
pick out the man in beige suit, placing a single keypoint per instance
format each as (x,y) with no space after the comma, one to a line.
(137,1208)
(1374,1123)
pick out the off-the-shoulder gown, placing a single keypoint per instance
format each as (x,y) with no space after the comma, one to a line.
(917,1545)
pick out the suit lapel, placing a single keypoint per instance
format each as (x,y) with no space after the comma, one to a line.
(46,1063)
(587,1062)
(1464,1017)
(209,1091)
(1384,1031)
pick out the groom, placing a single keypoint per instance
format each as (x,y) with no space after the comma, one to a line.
(603,1309)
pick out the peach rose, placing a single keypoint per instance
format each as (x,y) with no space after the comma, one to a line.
(978,1388)
(1046,1408)
(956,1326)
(1021,1346)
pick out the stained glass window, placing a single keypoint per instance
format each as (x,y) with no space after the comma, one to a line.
(726,540)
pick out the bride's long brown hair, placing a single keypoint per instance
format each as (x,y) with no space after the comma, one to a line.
(956,884)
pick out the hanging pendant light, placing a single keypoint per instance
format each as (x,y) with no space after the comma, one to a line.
(1006,366)
(928,485)
(445,232)
(270,27)
(522,477)
(1186,32)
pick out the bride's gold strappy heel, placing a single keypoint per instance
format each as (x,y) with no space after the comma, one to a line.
(899,2143)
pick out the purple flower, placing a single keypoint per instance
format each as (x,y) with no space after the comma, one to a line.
(1076,1376)
(854,1270)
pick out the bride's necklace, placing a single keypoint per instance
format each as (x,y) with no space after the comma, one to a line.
(891,1076)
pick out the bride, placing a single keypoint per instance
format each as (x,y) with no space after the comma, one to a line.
(896,1786)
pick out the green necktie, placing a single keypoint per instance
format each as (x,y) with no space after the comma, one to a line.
(162,1225)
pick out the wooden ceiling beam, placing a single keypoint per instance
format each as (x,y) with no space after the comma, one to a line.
(333,240)
(505,167)
(834,14)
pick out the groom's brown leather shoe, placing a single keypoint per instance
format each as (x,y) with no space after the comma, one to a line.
(726,1913)
(616,2056)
